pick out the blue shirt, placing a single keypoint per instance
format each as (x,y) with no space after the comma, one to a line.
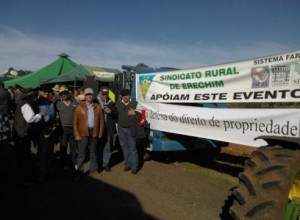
(49,108)
(90,115)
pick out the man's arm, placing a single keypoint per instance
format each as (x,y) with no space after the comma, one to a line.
(29,115)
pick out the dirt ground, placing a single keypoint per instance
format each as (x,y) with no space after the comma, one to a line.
(181,185)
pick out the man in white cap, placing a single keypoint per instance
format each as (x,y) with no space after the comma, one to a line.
(88,126)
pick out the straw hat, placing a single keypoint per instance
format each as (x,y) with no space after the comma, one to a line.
(56,88)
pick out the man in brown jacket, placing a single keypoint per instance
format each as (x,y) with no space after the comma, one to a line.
(88,126)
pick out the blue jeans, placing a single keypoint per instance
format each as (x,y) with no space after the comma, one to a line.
(83,145)
(106,151)
(45,148)
(68,138)
(128,145)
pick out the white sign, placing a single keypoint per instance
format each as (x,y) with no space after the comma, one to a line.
(268,79)
(104,74)
(240,126)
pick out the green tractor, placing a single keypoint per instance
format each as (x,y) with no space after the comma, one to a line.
(269,187)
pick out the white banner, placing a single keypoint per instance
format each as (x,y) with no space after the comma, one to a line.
(240,126)
(267,79)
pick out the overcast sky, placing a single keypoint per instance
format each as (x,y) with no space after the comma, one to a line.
(173,33)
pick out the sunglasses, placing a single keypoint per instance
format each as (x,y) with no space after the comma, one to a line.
(103,93)
(88,94)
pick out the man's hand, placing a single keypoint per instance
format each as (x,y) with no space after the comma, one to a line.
(131,112)
(107,110)
(43,113)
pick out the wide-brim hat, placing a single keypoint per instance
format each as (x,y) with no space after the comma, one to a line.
(56,88)
(28,92)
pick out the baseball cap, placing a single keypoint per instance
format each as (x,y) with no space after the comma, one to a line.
(88,91)
(80,97)
(104,89)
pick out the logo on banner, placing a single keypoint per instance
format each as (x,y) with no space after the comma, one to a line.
(296,75)
(145,82)
(280,75)
(260,77)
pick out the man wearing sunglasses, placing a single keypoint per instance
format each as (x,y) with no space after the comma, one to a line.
(110,113)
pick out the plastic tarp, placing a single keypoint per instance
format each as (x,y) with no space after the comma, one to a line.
(82,71)
(57,68)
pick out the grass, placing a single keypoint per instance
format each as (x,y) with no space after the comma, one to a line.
(203,171)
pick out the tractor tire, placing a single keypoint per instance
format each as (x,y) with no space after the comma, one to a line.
(270,180)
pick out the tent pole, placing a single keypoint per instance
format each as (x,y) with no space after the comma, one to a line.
(74,89)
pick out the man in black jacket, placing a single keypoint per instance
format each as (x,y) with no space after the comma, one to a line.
(23,118)
(110,114)
(45,135)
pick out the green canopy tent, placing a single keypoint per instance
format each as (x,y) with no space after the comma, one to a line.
(59,67)
(82,71)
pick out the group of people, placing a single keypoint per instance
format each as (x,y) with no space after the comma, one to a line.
(84,128)
(5,109)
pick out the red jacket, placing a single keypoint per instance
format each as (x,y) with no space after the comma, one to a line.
(80,121)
